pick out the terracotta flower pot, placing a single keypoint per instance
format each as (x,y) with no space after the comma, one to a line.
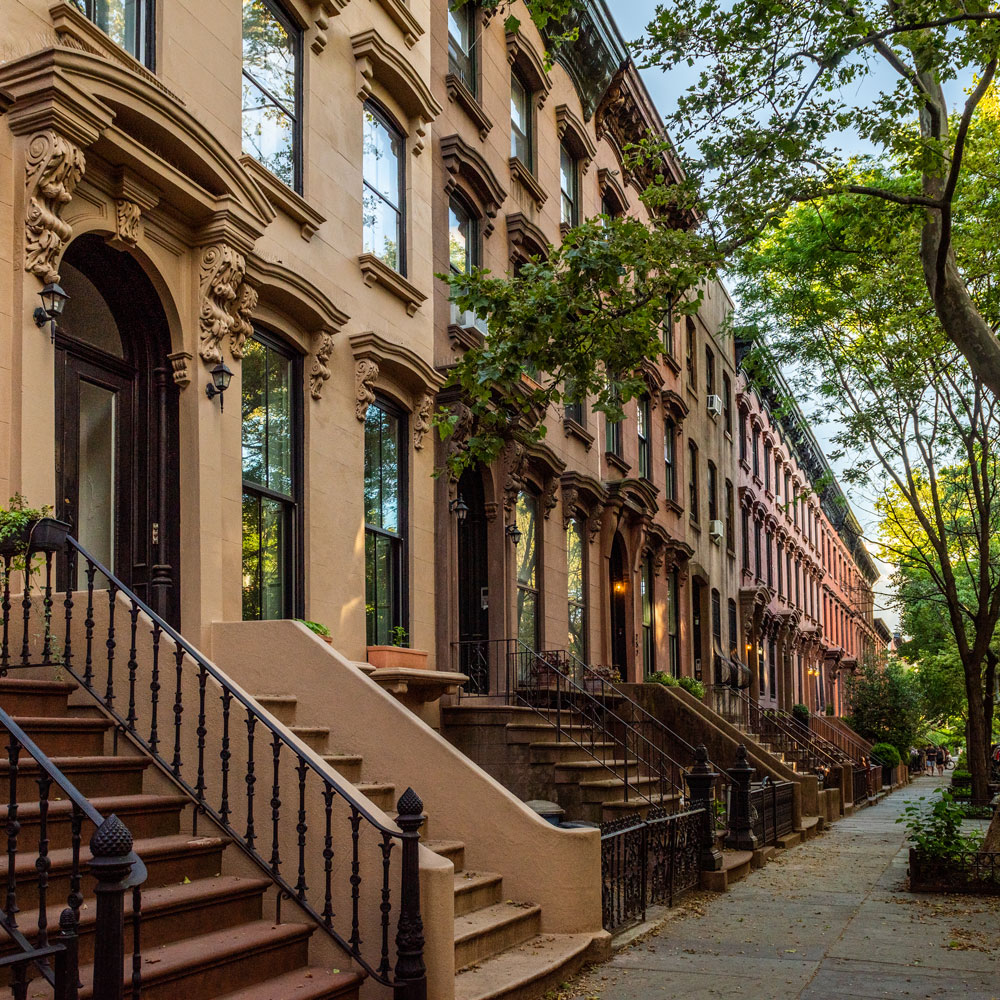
(382,657)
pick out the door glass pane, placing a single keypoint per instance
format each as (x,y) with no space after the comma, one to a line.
(254,373)
(520,122)
(272,558)
(98,461)
(527,580)
(251,558)
(279,421)
(575,589)
(90,320)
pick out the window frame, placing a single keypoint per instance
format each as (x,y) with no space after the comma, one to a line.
(470,11)
(537,589)
(145,33)
(529,107)
(709,370)
(296,34)
(382,115)
(670,459)
(575,524)
(294,569)
(574,196)
(643,415)
(647,604)
(727,403)
(730,517)
(674,622)
(693,486)
(712,480)
(402,537)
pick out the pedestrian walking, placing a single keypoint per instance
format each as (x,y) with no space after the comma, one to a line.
(939,757)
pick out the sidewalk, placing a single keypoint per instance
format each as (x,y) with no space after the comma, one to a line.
(825,920)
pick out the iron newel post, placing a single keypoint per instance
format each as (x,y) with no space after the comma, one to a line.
(411,974)
(741,836)
(701,783)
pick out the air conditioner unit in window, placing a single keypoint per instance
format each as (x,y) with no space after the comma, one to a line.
(714,404)
(716,530)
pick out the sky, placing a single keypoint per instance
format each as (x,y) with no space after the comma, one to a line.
(632,16)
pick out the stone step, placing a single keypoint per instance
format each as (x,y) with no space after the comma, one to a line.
(65,735)
(474,890)
(604,790)
(303,984)
(347,765)
(613,810)
(553,752)
(453,850)
(281,706)
(534,732)
(736,866)
(89,775)
(315,737)
(493,929)
(382,794)
(22,696)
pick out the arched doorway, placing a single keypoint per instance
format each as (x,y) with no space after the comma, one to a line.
(473,583)
(619,606)
(116,421)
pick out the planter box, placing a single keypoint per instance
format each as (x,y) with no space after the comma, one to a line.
(44,535)
(977,874)
(397,657)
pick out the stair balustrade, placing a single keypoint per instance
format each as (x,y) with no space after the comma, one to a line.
(318,842)
(52,953)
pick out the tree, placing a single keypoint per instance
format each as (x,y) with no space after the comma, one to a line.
(834,291)
(886,706)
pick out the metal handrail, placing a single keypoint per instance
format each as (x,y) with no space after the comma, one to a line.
(756,710)
(852,739)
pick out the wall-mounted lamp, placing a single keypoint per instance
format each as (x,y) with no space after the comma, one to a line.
(53,300)
(459,508)
(514,533)
(221,377)
(619,586)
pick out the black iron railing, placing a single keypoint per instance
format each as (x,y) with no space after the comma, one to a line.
(772,805)
(584,712)
(851,744)
(322,846)
(861,781)
(976,872)
(648,861)
(54,865)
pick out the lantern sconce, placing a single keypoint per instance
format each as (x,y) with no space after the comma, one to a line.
(459,508)
(514,533)
(53,298)
(221,377)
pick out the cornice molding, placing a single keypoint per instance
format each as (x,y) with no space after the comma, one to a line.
(377,272)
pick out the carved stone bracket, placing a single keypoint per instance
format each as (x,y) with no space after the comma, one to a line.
(549,498)
(221,274)
(514,466)
(461,431)
(242,310)
(570,498)
(53,168)
(595,521)
(180,365)
(127,216)
(491,508)
(320,370)
(322,11)
(422,414)
(364,378)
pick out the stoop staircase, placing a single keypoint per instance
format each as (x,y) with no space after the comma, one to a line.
(204,930)
(499,950)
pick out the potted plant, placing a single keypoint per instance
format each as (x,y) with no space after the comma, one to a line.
(318,629)
(398,654)
(801,714)
(24,529)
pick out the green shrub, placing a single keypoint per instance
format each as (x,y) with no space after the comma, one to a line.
(886,754)
(668,680)
(802,713)
(961,777)
(315,627)
(662,677)
(693,687)
(829,710)
(937,832)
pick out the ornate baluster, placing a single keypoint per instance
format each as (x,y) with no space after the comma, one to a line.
(201,732)
(47,611)
(26,613)
(136,942)
(132,666)
(251,779)
(328,857)
(385,906)
(88,624)
(175,766)
(154,689)
(411,974)
(13,829)
(276,806)
(355,884)
(5,610)
(67,655)
(42,863)
(301,829)
(224,756)
(110,642)
(75,898)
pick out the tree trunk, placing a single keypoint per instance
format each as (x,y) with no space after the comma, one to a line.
(989,686)
(992,842)
(979,744)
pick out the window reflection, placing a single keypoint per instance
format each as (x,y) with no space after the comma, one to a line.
(575,588)
(526,516)
(382,199)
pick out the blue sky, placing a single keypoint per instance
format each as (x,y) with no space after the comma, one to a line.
(632,17)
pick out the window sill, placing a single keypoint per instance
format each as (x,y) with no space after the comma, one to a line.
(694,524)
(519,171)
(744,465)
(574,428)
(671,362)
(400,15)
(460,94)
(465,337)
(617,462)
(282,197)
(672,505)
(377,272)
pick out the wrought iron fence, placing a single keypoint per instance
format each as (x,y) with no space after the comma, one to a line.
(861,786)
(772,806)
(319,843)
(975,872)
(648,861)
(57,818)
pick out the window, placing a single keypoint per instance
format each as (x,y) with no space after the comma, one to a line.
(780,561)
(521,122)
(746,539)
(382,203)
(767,466)
(527,570)
(574,407)
(727,404)
(717,620)
(769,543)
(613,436)
(777,473)
(693,480)
(462,46)
(734,632)
(757,549)
(670,458)
(271,462)
(730,517)
(756,452)
(385,522)
(795,505)
(713,493)
(645,445)
(576,589)
(667,329)
(673,621)
(772,662)
(743,436)
(569,184)
(648,632)
(128,23)
(709,371)
(787,493)
(464,254)
(689,358)
(272,59)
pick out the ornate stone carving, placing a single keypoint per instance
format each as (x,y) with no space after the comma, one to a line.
(221,274)
(319,373)
(570,498)
(322,11)
(595,521)
(53,168)
(127,215)
(422,419)
(491,508)
(242,326)
(514,460)
(179,362)
(461,431)
(364,378)
(549,499)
